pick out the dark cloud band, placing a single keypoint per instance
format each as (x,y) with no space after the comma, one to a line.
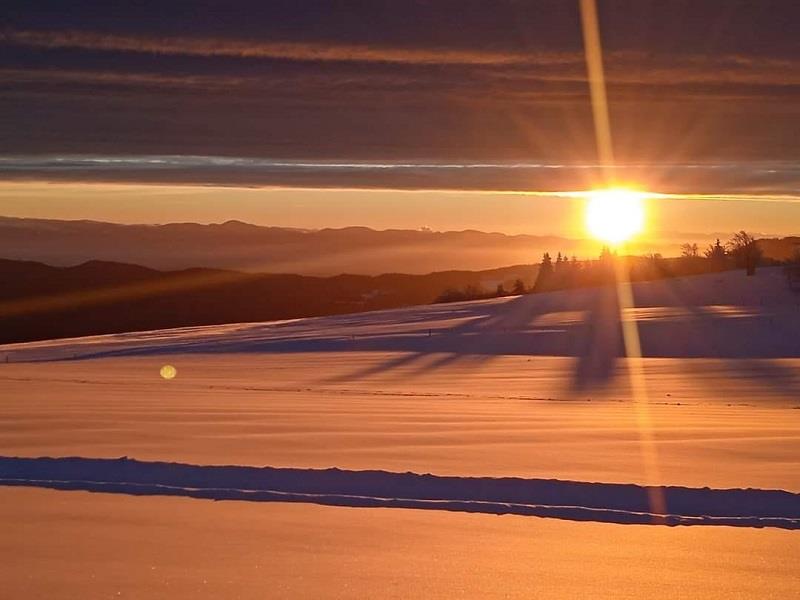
(765,180)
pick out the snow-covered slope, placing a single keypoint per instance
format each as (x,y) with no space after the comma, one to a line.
(725,315)
(355,411)
(531,386)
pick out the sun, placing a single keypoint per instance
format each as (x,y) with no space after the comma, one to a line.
(614,215)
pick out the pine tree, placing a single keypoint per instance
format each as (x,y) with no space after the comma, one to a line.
(606,255)
(716,253)
(545,273)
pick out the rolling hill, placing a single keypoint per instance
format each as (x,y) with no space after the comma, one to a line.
(39,301)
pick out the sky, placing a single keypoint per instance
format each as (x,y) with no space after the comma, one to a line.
(318,113)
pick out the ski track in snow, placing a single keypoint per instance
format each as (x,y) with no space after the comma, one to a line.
(569,500)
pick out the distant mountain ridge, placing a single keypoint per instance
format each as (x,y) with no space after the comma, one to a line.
(323,252)
(255,248)
(39,301)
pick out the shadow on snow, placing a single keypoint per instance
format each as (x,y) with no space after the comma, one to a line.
(570,500)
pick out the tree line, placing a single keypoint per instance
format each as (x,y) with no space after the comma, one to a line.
(477,292)
(741,251)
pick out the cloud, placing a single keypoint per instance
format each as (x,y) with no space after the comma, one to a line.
(507,69)
(300,51)
(443,80)
(49,77)
(773,181)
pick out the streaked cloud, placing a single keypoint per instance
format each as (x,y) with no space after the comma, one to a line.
(625,67)
(743,181)
(445,80)
(305,51)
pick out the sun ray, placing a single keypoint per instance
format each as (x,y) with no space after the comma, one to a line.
(606,226)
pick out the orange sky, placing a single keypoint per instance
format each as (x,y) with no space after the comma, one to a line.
(380,209)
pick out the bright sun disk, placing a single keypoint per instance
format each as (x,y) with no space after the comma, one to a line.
(614,215)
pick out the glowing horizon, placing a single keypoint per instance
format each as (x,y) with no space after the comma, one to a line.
(531,212)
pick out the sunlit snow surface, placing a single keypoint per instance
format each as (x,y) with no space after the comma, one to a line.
(532,387)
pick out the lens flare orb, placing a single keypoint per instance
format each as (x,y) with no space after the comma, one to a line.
(168,372)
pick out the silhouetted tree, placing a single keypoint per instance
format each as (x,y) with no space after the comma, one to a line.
(450,295)
(470,292)
(519,287)
(716,252)
(545,273)
(474,291)
(501,291)
(655,266)
(745,251)
(574,270)
(791,270)
(606,255)
(689,250)
(603,269)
